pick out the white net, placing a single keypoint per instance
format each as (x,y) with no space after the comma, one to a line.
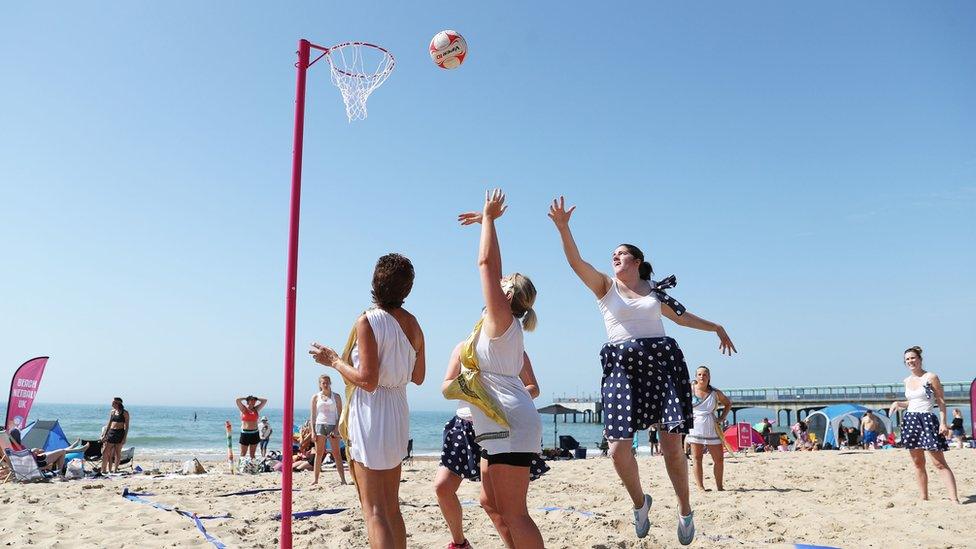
(358,69)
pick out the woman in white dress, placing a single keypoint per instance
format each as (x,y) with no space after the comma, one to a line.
(325,417)
(508,453)
(389,353)
(705,399)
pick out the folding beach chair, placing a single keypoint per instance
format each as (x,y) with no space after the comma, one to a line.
(23,466)
(6,471)
(127,455)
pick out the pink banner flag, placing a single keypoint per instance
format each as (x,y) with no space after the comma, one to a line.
(23,389)
(744,431)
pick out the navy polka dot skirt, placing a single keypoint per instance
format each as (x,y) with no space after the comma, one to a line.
(920,430)
(462,455)
(645,383)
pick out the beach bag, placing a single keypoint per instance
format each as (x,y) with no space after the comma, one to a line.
(75,469)
(248,466)
(193,467)
(467,386)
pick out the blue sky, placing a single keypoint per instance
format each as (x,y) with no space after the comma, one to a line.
(807,171)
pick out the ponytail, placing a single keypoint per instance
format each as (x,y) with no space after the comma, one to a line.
(529,320)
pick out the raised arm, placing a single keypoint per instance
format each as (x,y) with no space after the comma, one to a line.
(597,282)
(242,404)
(498,311)
(692,321)
(261,403)
(527,376)
(367,376)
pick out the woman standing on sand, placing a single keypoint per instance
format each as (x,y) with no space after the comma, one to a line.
(116,433)
(921,430)
(704,434)
(958,432)
(500,349)
(388,354)
(325,416)
(645,378)
(250,407)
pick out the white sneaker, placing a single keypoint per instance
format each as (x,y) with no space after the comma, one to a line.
(686,528)
(642,524)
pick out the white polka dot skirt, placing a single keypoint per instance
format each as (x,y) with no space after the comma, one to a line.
(645,383)
(462,455)
(920,430)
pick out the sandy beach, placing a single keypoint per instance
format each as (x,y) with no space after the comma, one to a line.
(839,499)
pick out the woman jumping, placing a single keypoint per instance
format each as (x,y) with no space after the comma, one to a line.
(645,378)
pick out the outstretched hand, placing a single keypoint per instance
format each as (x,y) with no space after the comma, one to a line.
(559,214)
(725,344)
(324,355)
(469,218)
(494,204)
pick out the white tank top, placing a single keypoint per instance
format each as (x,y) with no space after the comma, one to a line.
(628,319)
(325,409)
(921,399)
(500,360)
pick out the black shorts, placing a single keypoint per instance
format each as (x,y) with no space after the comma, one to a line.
(517,459)
(250,438)
(115,436)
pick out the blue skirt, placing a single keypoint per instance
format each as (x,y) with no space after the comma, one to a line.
(462,455)
(645,383)
(920,430)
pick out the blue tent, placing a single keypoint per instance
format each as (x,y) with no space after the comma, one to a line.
(833,416)
(46,435)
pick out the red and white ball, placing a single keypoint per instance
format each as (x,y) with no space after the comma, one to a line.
(447,49)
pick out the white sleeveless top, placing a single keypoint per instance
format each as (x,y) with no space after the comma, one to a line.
(703,430)
(921,399)
(501,360)
(379,424)
(325,409)
(627,319)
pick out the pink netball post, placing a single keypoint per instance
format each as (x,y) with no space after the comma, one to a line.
(357,69)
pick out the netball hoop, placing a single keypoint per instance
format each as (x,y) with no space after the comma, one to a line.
(357,69)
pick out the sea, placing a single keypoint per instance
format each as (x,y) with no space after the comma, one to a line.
(165,433)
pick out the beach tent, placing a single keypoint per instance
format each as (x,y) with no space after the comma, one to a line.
(732,436)
(826,422)
(46,435)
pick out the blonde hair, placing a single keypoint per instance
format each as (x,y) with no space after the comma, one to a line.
(523,297)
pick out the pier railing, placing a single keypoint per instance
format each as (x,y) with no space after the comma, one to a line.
(957,391)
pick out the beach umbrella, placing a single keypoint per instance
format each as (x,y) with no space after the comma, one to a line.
(555,409)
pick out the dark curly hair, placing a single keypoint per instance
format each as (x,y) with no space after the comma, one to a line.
(392,281)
